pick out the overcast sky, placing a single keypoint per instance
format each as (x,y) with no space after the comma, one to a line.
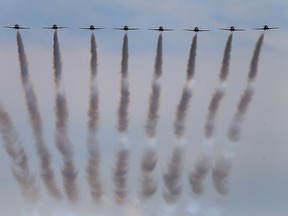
(258,177)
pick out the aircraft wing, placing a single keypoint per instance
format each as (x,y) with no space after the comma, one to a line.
(195,30)
(226,29)
(24,28)
(157,29)
(262,28)
(62,27)
(96,28)
(239,30)
(119,28)
(8,27)
(133,28)
(88,28)
(47,27)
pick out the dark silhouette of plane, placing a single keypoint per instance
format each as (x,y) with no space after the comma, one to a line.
(92,27)
(161,29)
(16,26)
(126,28)
(265,28)
(55,27)
(232,29)
(196,29)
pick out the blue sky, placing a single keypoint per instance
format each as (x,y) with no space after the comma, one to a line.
(258,180)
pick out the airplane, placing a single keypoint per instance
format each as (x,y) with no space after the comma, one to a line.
(126,28)
(265,28)
(196,29)
(160,29)
(55,27)
(92,27)
(232,29)
(16,26)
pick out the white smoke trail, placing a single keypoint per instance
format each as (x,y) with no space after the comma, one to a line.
(149,160)
(192,59)
(172,177)
(159,58)
(154,101)
(234,131)
(215,102)
(220,172)
(226,59)
(122,155)
(197,177)
(222,166)
(69,173)
(18,156)
(181,111)
(148,164)
(202,165)
(92,169)
(47,173)
(255,59)
(124,89)
(219,92)
(120,175)
(153,115)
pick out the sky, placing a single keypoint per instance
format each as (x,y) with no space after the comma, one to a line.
(254,163)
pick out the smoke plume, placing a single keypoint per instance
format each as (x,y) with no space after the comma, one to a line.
(69,173)
(148,164)
(153,116)
(220,173)
(19,159)
(125,94)
(183,105)
(219,92)
(172,177)
(197,177)
(149,160)
(255,59)
(222,167)
(181,112)
(202,166)
(122,155)
(226,59)
(120,175)
(212,111)
(191,60)
(234,131)
(92,170)
(158,59)
(154,101)
(36,123)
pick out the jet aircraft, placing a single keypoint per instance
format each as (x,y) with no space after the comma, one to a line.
(232,29)
(196,29)
(92,27)
(16,26)
(161,29)
(126,28)
(265,28)
(55,27)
